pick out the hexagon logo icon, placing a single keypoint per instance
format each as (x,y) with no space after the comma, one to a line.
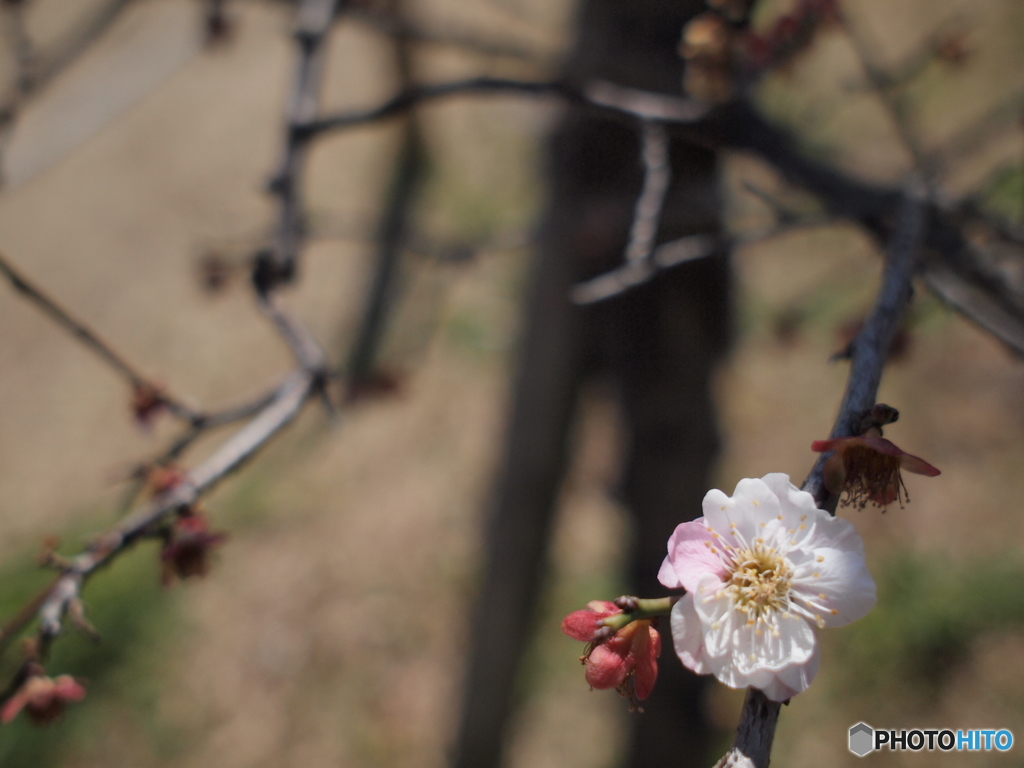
(862,739)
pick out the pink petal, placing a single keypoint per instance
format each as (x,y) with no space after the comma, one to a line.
(880,445)
(647,648)
(693,551)
(580,625)
(68,689)
(13,706)
(834,473)
(918,466)
(833,444)
(606,668)
(603,607)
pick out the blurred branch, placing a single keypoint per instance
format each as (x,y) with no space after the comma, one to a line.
(638,267)
(735,125)
(392,235)
(633,274)
(76,43)
(313,22)
(35,71)
(400,26)
(974,303)
(236,450)
(631,102)
(103,350)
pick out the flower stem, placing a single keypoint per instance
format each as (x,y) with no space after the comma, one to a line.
(645,609)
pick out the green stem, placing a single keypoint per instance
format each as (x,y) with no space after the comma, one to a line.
(645,609)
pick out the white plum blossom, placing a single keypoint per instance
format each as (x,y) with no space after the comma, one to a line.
(762,571)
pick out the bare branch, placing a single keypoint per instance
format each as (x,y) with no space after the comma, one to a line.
(654,151)
(632,274)
(974,303)
(657,177)
(313,21)
(76,43)
(235,451)
(637,104)
(81,332)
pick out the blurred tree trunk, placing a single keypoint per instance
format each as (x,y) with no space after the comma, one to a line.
(660,343)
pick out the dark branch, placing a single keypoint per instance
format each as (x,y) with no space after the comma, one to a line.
(756,730)
(625,101)
(313,22)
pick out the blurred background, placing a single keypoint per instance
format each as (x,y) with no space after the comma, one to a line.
(336,625)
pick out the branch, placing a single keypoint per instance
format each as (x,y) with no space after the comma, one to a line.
(93,342)
(629,102)
(300,340)
(738,126)
(756,731)
(235,451)
(313,22)
(76,43)
(405,28)
(654,151)
(633,274)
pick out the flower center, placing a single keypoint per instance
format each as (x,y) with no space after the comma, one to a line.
(760,581)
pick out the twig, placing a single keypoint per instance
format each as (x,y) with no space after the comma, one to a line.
(241,446)
(392,236)
(81,332)
(630,102)
(304,346)
(313,21)
(638,267)
(632,274)
(657,178)
(975,304)
(77,42)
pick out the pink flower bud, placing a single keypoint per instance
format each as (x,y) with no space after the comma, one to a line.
(626,661)
(43,698)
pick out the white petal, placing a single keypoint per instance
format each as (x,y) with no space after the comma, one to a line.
(752,503)
(835,533)
(792,642)
(717,616)
(794,503)
(688,635)
(799,676)
(835,586)
(751,647)
(776,690)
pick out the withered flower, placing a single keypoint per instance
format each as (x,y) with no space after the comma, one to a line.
(186,551)
(147,401)
(867,468)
